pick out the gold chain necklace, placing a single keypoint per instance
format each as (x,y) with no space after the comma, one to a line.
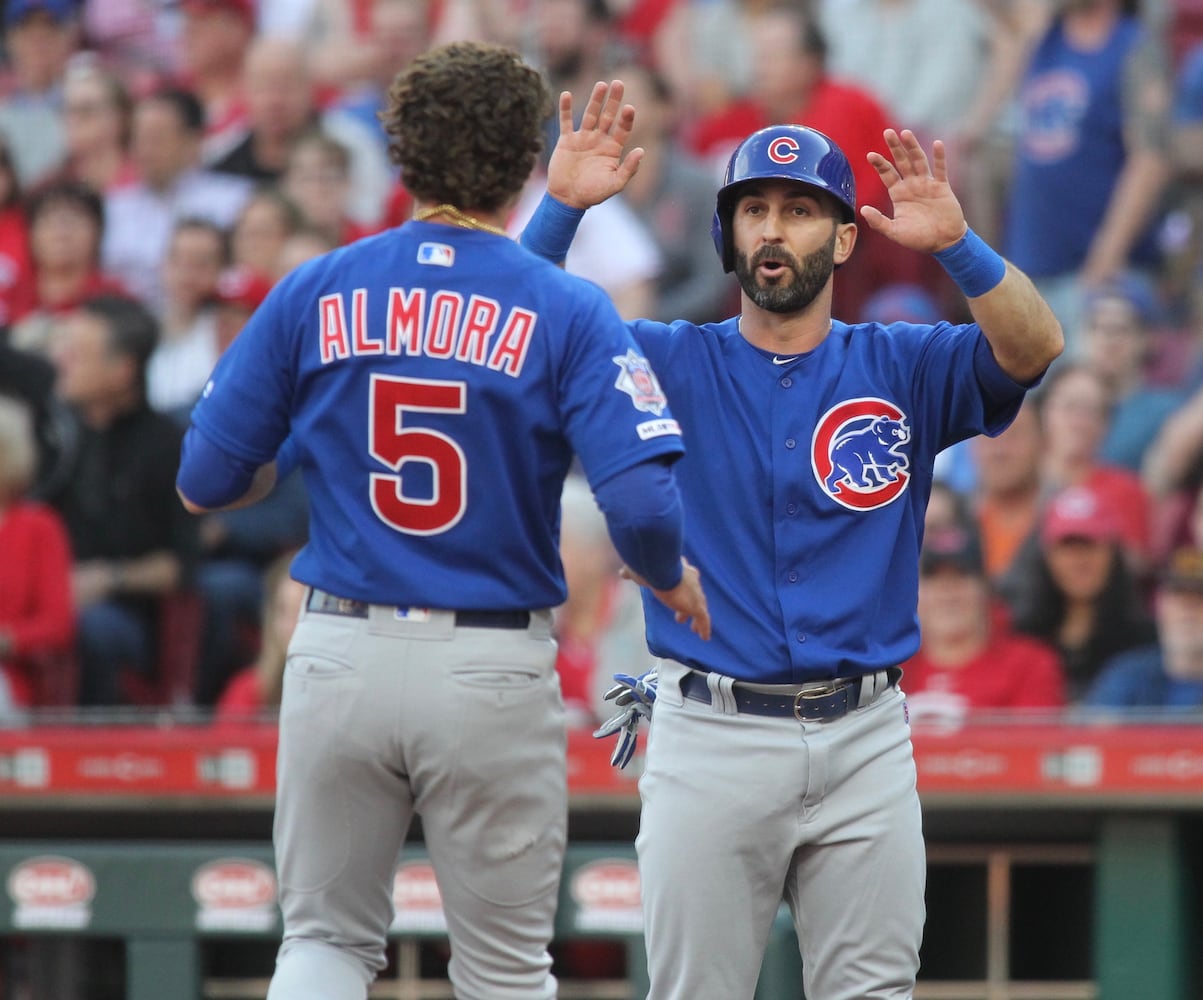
(459,218)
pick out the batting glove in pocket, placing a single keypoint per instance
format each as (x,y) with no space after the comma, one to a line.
(634,697)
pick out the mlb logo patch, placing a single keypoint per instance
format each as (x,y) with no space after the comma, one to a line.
(438,254)
(411,614)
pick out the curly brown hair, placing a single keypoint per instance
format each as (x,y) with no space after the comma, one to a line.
(465,122)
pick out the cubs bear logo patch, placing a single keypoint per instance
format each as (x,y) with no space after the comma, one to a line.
(857,453)
(637,380)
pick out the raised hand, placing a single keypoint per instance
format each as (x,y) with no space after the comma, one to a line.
(927,215)
(587,165)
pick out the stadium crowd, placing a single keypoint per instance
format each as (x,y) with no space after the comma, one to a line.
(163,163)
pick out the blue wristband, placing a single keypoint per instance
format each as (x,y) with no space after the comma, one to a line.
(973,265)
(551,229)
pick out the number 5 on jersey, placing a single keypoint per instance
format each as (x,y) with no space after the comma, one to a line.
(394,445)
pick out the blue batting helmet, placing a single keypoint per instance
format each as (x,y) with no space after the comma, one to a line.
(785,152)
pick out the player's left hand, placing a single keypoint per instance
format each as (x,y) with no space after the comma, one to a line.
(927,215)
(634,697)
(587,165)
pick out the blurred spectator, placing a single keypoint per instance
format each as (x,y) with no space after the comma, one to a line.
(281,106)
(1077,592)
(188,347)
(1172,473)
(239,292)
(1186,150)
(673,193)
(1166,676)
(398,31)
(946,508)
(29,377)
(1007,498)
(36,613)
(1118,326)
(97,113)
(305,244)
(317,179)
(215,37)
(790,83)
(969,658)
(599,628)
(1092,154)
(1074,420)
(947,71)
(66,231)
(16,267)
(131,538)
(142,37)
(167,130)
(573,41)
(346,42)
(714,66)
(237,545)
(39,37)
(254,691)
(265,223)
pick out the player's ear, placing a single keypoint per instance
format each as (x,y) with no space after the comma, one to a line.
(845,240)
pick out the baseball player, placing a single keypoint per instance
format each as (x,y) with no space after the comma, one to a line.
(779,764)
(433,382)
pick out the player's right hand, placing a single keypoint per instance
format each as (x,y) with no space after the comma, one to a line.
(587,165)
(687,598)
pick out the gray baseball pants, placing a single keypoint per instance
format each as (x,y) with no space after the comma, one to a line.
(381,719)
(742,811)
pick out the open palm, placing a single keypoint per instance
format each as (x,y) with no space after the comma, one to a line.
(587,165)
(927,215)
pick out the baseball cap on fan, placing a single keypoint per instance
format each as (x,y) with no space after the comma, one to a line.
(1078,512)
(954,546)
(58,10)
(242,286)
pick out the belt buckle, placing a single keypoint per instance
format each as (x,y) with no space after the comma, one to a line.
(813,694)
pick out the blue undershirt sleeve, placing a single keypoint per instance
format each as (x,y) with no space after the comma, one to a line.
(643,513)
(209,476)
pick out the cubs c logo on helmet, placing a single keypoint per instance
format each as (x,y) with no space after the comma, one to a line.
(783,150)
(857,454)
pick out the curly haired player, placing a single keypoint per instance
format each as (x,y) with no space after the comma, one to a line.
(433,382)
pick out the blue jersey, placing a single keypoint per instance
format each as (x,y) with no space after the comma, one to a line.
(806,483)
(437,382)
(1070,152)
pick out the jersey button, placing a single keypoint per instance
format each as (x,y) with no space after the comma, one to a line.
(786,382)
(793,578)
(791,509)
(801,637)
(790,443)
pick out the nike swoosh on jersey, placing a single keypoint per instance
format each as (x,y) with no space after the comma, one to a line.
(783,361)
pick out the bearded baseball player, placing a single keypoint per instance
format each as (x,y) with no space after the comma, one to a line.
(779,763)
(434,382)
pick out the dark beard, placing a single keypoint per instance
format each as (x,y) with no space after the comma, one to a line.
(786,296)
